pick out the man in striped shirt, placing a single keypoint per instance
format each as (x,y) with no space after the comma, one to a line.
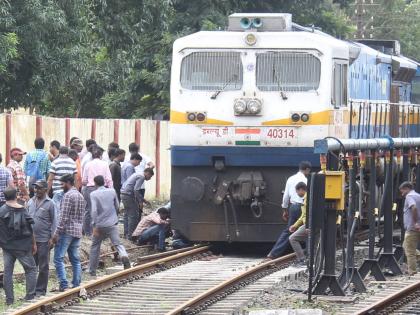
(60,166)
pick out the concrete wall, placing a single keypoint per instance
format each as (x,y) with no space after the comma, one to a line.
(25,128)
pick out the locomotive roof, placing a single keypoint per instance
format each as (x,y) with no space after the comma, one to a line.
(265,40)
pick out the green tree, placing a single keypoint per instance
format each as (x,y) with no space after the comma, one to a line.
(112,58)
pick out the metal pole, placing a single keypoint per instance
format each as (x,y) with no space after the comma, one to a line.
(372,205)
(371,265)
(387,258)
(326,145)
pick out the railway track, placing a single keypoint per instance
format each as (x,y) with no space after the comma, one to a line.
(399,296)
(146,266)
(188,282)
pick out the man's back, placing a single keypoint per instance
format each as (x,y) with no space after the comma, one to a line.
(37,161)
(71,214)
(15,228)
(95,168)
(104,207)
(61,166)
(115,169)
(127,169)
(132,184)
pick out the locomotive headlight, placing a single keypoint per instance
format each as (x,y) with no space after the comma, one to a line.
(304,117)
(254,106)
(295,117)
(239,107)
(191,116)
(201,117)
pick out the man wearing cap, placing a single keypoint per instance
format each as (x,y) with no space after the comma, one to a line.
(18,174)
(42,209)
(77,144)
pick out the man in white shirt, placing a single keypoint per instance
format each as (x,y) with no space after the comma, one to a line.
(146,162)
(291,205)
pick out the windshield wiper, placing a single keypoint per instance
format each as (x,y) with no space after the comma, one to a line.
(282,94)
(233,78)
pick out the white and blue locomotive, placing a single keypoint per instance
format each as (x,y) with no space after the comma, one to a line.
(247,104)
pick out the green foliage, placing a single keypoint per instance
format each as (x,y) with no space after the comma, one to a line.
(111,58)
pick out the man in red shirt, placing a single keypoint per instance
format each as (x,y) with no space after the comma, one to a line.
(18,174)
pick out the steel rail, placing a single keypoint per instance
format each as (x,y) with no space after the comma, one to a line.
(323,146)
(390,299)
(72,296)
(227,284)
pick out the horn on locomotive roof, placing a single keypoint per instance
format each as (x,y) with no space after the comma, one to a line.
(268,22)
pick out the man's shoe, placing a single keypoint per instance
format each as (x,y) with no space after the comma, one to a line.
(61,289)
(126,262)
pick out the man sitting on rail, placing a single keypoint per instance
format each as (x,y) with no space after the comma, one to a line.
(292,203)
(155,225)
(298,230)
(411,224)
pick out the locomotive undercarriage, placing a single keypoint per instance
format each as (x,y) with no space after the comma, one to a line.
(234,204)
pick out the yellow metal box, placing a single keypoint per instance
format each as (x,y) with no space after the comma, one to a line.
(334,187)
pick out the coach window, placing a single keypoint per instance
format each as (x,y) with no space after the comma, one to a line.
(339,85)
(212,71)
(287,71)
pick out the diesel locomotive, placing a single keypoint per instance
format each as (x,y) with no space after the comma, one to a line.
(247,104)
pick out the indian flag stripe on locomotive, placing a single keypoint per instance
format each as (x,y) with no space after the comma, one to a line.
(249,131)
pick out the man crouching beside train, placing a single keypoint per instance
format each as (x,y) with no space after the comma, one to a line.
(152,227)
(299,230)
(411,224)
(292,203)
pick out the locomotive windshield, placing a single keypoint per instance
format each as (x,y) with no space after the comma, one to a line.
(287,71)
(212,71)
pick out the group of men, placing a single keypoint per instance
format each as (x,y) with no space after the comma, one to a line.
(60,195)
